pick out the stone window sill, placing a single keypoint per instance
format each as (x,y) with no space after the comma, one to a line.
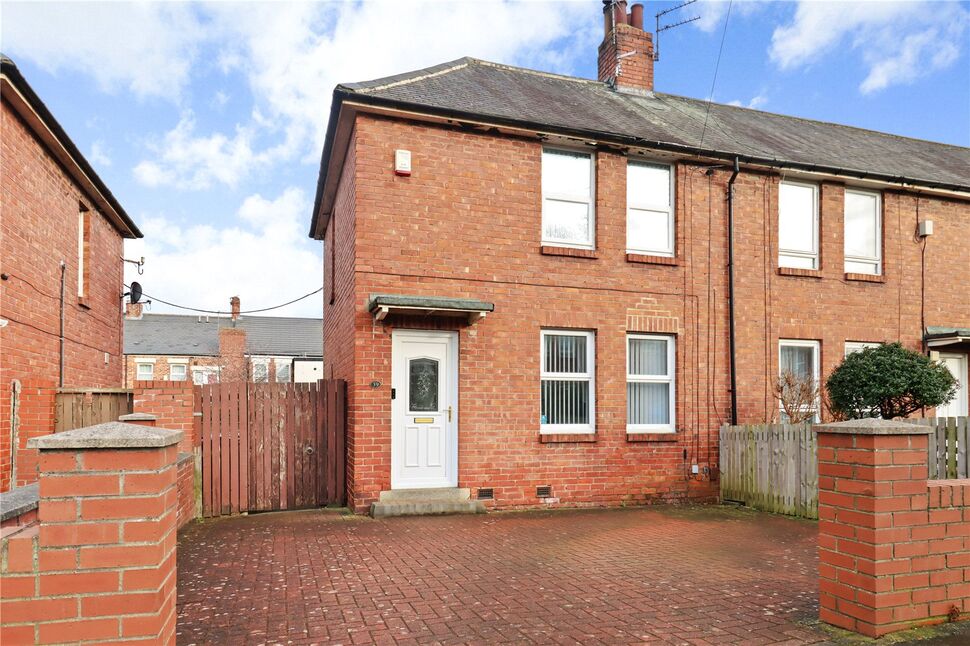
(561,438)
(549,250)
(651,437)
(865,278)
(803,273)
(652,260)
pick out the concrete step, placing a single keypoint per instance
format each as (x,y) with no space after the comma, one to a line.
(425,502)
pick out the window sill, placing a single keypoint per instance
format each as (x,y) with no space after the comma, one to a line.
(561,438)
(648,259)
(550,250)
(803,273)
(651,437)
(83,302)
(865,278)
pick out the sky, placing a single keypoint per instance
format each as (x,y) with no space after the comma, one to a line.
(207,120)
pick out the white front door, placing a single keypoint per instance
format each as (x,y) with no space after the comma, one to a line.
(424,409)
(957,364)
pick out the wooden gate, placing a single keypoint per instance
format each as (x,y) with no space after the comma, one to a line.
(271,446)
(80,407)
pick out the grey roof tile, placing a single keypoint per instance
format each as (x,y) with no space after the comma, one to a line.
(189,335)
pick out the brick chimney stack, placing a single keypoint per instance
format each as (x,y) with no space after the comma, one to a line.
(133,310)
(234,304)
(232,354)
(626,53)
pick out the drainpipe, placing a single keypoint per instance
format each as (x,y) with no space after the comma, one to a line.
(60,367)
(734,371)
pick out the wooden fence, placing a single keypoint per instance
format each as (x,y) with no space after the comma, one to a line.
(80,407)
(271,446)
(771,467)
(948,447)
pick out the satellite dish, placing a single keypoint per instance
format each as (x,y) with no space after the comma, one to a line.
(135,291)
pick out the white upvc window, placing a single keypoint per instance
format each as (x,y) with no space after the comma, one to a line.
(649,208)
(798,225)
(863,232)
(145,369)
(178,369)
(650,383)
(568,212)
(801,358)
(857,346)
(205,375)
(283,369)
(260,371)
(82,251)
(567,388)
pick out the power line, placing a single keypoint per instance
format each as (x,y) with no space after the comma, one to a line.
(717,65)
(204,311)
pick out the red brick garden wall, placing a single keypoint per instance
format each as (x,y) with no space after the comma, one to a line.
(173,405)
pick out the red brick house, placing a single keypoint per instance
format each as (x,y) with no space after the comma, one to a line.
(554,290)
(61,272)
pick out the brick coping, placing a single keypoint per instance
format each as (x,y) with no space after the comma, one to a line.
(110,435)
(874,426)
(17,501)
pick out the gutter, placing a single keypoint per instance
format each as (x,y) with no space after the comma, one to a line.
(731,308)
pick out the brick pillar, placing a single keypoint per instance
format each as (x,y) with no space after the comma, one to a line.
(100,565)
(887,560)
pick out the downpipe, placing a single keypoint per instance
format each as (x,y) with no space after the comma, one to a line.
(732,351)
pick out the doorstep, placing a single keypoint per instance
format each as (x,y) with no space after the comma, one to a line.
(426,502)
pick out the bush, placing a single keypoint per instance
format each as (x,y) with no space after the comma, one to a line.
(888,381)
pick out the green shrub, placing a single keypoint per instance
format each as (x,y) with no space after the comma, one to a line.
(888,381)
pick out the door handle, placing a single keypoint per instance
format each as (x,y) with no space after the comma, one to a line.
(449,413)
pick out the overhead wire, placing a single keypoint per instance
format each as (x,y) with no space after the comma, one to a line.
(205,311)
(717,66)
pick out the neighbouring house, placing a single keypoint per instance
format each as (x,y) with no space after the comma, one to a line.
(555,290)
(61,274)
(210,349)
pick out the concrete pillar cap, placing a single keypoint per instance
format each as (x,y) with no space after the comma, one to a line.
(875,426)
(110,435)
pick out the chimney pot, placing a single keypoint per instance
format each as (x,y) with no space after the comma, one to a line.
(234,304)
(636,16)
(133,310)
(626,53)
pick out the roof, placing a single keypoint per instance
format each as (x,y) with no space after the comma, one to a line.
(511,96)
(186,335)
(122,222)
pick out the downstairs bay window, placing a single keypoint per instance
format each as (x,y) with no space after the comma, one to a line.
(567,400)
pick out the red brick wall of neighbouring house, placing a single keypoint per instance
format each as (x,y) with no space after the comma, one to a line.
(232,351)
(39,228)
(893,546)
(467,223)
(162,368)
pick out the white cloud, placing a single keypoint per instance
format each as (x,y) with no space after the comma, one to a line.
(99,154)
(293,55)
(264,257)
(712,13)
(755,103)
(899,42)
(146,47)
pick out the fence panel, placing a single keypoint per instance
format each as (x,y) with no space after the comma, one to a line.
(771,467)
(80,407)
(948,446)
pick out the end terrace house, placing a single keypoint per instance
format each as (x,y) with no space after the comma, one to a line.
(551,290)
(62,236)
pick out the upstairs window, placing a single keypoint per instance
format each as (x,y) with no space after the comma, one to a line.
(863,232)
(567,199)
(649,383)
(649,209)
(798,225)
(567,360)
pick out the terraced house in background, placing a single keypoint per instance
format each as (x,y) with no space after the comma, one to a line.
(554,290)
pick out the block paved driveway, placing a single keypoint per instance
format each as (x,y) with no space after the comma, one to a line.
(684,575)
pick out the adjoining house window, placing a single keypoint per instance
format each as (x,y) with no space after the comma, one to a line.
(283,371)
(856,346)
(205,375)
(567,198)
(649,209)
(260,371)
(83,250)
(863,232)
(650,398)
(177,371)
(145,370)
(798,225)
(567,362)
(801,359)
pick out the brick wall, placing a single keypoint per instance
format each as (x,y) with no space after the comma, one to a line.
(894,548)
(173,405)
(34,417)
(185,484)
(38,230)
(100,564)
(467,223)
(161,369)
(232,351)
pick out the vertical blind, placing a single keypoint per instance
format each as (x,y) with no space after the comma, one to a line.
(565,396)
(649,381)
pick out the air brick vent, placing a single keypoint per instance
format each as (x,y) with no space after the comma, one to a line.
(545,491)
(486,493)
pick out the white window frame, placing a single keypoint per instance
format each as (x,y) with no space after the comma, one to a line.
(81,217)
(589,375)
(200,370)
(262,362)
(631,207)
(172,365)
(670,378)
(857,346)
(144,362)
(283,362)
(875,261)
(816,364)
(590,201)
(797,253)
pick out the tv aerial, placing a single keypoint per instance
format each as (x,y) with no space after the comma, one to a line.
(656,44)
